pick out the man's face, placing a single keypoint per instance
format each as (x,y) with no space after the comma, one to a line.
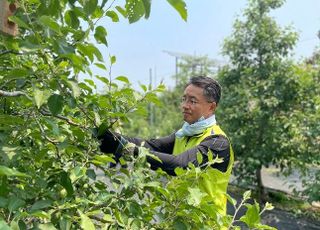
(194,104)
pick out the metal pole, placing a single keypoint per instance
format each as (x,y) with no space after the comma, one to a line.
(150,105)
(176,70)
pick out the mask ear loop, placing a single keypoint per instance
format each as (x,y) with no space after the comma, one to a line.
(201,118)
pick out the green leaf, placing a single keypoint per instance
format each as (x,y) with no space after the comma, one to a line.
(86,51)
(103,159)
(41,214)
(61,46)
(89,50)
(75,89)
(113,59)
(195,196)
(5,171)
(14,225)
(71,19)
(90,6)
(19,22)
(122,11)
(91,83)
(135,10)
(77,61)
(86,222)
(101,66)
(17,73)
(231,200)
(77,173)
(100,35)
(147,8)
(41,204)
(103,79)
(179,224)
(246,195)
(264,227)
(108,217)
(96,52)
(268,206)
(47,226)
(3,202)
(123,79)
(252,217)
(15,203)
(8,150)
(91,174)
(4,226)
(104,2)
(144,87)
(210,156)
(50,22)
(113,15)
(161,88)
(41,97)
(66,183)
(199,158)
(85,87)
(181,7)
(55,104)
(179,171)
(65,223)
(102,128)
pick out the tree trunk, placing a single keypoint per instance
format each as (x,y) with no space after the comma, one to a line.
(262,195)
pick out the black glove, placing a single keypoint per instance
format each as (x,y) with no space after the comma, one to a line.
(110,142)
(116,144)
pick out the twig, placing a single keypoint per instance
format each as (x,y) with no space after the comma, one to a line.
(13,94)
(104,14)
(14,79)
(236,212)
(85,113)
(127,111)
(50,140)
(44,134)
(99,219)
(15,52)
(69,121)
(9,52)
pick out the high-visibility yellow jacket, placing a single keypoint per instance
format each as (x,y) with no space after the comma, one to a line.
(213,182)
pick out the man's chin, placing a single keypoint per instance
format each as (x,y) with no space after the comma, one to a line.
(188,120)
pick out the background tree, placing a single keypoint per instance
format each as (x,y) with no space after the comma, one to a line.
(308,119)
(271,104)
(261,89)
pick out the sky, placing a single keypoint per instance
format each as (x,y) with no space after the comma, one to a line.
(140,46)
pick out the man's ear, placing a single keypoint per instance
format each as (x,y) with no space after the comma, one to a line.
(213,106)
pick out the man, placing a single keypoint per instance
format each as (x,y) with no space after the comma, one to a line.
(200,134)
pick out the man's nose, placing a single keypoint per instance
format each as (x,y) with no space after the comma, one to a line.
(185,105)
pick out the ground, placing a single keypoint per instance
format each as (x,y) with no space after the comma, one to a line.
(283,217)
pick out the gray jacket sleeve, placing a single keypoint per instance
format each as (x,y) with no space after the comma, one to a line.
(163,148)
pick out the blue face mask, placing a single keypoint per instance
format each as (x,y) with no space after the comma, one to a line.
(197,127)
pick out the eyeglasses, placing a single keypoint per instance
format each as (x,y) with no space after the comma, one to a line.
(191,101)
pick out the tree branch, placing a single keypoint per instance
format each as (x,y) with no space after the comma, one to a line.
(68,120)
(13,94)
(4,52)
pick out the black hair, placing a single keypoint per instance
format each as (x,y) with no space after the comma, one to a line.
(211,88)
